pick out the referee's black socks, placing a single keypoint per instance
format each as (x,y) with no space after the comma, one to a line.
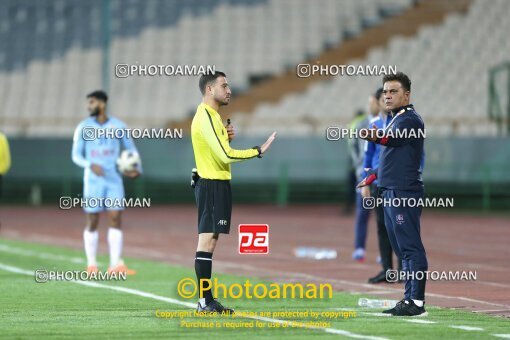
(203,269)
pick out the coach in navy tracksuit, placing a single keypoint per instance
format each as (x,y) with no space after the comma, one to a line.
(371,161)
(399,176)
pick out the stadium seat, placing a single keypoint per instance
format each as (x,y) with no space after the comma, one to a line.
(57,44)
(437,93)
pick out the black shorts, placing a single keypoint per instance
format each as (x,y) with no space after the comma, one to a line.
(214,203)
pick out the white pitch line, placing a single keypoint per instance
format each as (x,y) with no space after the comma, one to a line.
(376,314)
(360,310)
(49,256)
(16,270)
(357,310)
(36,237)
(491,310)
(384,315)
(354,283)
(137,292)
(46,256)
(419,321)
(504,336)
(467,328)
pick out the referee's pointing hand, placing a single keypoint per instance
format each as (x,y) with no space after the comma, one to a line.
(264,147)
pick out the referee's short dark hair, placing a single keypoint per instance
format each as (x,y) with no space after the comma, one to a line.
(101,95)
(401,78)
(209,78)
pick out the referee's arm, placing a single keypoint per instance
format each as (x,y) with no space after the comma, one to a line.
(220,146)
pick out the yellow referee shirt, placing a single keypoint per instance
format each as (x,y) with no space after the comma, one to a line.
(5,155)
(211,147)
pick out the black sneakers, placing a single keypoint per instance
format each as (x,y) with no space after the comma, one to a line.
(407,308)
(215,307)
(394,309)
(380,277)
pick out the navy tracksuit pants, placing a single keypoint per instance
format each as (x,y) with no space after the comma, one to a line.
(403,226)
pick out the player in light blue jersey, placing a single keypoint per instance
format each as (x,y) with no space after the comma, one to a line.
(97,152)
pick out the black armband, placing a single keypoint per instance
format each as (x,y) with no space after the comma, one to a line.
(259,150)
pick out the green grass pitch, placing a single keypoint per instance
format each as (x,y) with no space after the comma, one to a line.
(61,309)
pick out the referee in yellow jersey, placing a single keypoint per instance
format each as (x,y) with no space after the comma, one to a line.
(5,158)
(211,180)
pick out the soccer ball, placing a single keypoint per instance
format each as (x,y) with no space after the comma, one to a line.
(128,161)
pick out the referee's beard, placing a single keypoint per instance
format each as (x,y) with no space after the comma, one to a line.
(223,102)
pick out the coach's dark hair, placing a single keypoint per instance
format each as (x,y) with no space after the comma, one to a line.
(209,78)
(101,95)
(401,78)
(378,93)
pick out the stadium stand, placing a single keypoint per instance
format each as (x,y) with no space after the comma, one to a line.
(452,97)
(42,42)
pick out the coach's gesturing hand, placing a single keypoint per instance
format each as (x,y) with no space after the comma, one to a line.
(264,147)
(365,192)
(371,177)
(369,134)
